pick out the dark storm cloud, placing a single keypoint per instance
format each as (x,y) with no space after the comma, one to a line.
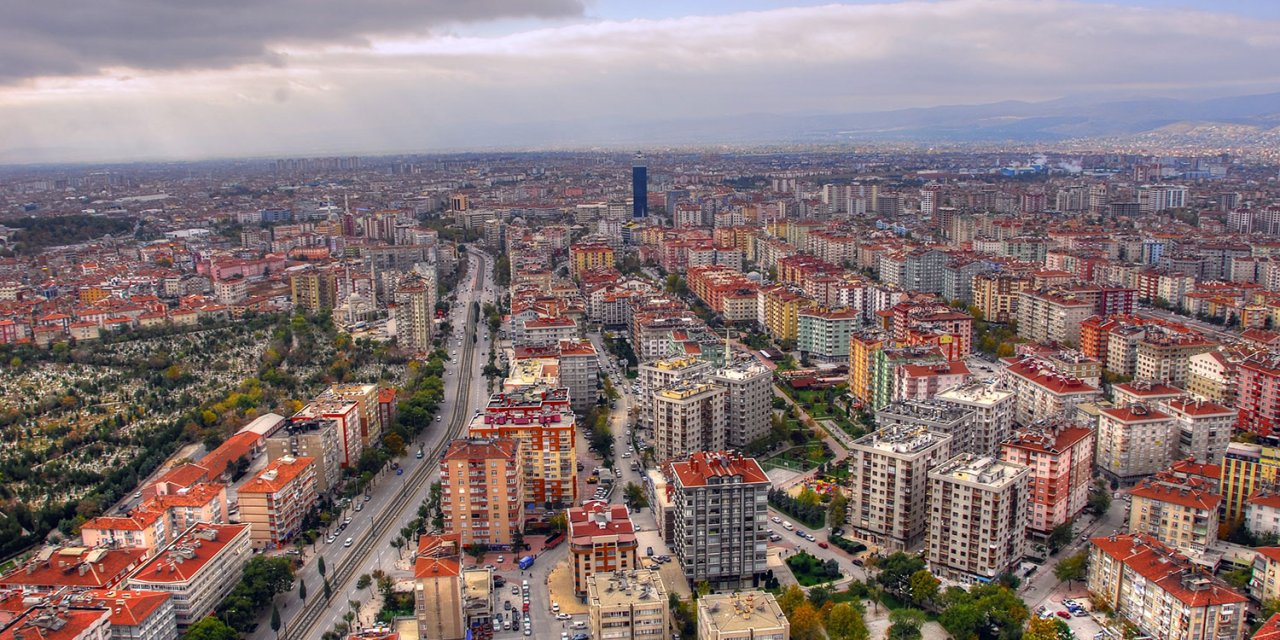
(41,38)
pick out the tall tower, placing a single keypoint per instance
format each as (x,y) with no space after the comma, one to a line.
(639,187)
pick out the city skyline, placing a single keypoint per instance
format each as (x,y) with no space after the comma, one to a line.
(375,78)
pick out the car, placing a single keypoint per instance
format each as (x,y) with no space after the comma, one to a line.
(330,539)
(506,605)
(581,624)
(563,616)
(564,635)
(347,542)
(346,520)
(773,537)
(823,545)
(775,520)
(137,495)
(648,551)
(555,607)
(525,607)
(500,559)
(528,631)
(1079,613)
(515,591)
(506,625)
(295,552)
(359,506)
(367,497)
(580,636)
(1064,615)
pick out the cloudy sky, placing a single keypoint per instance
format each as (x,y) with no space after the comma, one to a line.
(144,79)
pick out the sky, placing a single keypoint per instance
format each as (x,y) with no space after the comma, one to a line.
(139,79)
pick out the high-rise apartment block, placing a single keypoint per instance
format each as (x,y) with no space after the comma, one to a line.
(1060,457)
(198,569)
(979,508)
(689,417)
(934,415)
(639,186)
(316,439)
(543,422)
(665,373)
(482,490)
(1258,386)
(414,315)
(721,508)
(749,392)
(993,413)
(589,256)
(1203,429)
(313,288)
(1134,442)
(602,541)
(888,478)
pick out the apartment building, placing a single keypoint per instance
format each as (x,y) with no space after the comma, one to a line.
(156,521)
(628,605)
(1161,592)
(346,416)
(993,410)
(1258,394)
(778,312)
(979,508)
(1246,469)
(588,256)
(721,508)
(1211,376)
(663,374)
(366,398)
(579,372)
(823,334)
(52,569)
(863,348)
(482,490)
(316,439)
(1134,442)
(689,417)
(1180,512)
(275,501)
(1203,429)
(1042,393)
(602,540)
(745,615)
(1164,356)
(1051,316)
(996,294)
(748,396)
(437,588)
(414,314)
(313,288)
(198,569)
(934,415)
(57,623)
(542,420)
(1060,457)
(1262,513)
(135,615)
(888,479)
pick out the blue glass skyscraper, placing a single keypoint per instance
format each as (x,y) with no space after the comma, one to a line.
(639,187)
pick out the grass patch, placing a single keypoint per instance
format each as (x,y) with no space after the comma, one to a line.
(810,570)
(802,458)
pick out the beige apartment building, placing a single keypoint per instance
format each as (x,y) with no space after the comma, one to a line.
(993,410)
(888,476)
(979,508)
(662,374)
(749,390)
(437,588)
(1181,512)
(746,615)
(198,569)
(482,487)
(316,439)
(1051,316)
(602,539)
(628,606)
(1161,592)
(689,417)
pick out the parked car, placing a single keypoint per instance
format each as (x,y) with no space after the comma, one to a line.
(1064,615)
(823,545)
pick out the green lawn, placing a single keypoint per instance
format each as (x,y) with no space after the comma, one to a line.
(804,457)
(810,570)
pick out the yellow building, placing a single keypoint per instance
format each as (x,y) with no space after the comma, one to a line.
(996,294)
(313,289)
(90,295)
(1245,469)
(781,307)
(586,256)
(862,351)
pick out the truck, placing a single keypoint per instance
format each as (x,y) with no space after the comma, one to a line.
(526,562)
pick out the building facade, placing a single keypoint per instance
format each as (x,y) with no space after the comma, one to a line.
(721,507)
(979,508)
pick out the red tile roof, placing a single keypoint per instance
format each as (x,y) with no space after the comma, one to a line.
(1128,414)
(1166,568)
(238,445)
(1270,630)
(77,621)
(129,608)
(702,465)
(599,518)
(277,475)
(77,567)
(1188,492)
(170,566)
(1199,408)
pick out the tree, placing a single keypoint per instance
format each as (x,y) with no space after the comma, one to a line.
(838,509)
(790,599)
(806,623)
(558,521)
(896,570)
(394,443)
(635,497)
(905,624)
(1239,578)
(808,498)
(364,581)
(704,588)
(211,628)
(1061,536)
(1041,629)
(328,590)
(275,620)
(320,566)
(846,622)
(1072,568)
(924,587)
(302,590)
(1099,499)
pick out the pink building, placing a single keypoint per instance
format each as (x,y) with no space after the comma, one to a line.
(1061,461)
(924,381)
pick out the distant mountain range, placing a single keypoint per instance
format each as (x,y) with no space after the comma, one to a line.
(1234,120)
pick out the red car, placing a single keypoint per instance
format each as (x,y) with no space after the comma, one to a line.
(824,545)
(1064,615)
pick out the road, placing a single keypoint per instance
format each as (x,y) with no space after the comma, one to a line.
(1211,330)
(394,500)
